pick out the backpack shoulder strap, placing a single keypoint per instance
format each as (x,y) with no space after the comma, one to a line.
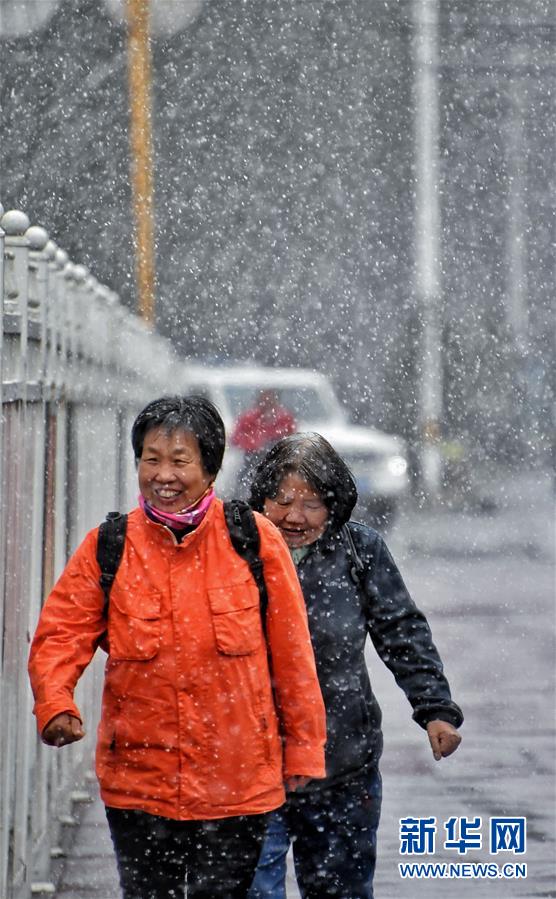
(246,541)
(357,568)
(110,547)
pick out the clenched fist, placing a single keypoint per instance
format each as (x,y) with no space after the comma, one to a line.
(63,729)
(443,737)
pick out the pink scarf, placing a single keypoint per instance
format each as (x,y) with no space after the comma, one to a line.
(190,517)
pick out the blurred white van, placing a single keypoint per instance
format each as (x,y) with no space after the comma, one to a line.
(377,460)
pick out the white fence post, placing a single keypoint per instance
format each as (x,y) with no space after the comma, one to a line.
(16,541)
(4,810)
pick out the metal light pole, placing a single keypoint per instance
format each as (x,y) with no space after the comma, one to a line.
(427,242)
(139,77)
(516,255)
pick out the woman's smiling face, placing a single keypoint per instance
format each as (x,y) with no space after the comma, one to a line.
(298,511)
(170,471)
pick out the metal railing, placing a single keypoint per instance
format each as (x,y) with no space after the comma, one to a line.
(75,368)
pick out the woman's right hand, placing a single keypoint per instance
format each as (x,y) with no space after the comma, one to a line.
(63,729)
(443,737)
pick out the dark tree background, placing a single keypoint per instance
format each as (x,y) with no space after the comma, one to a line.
(285,190)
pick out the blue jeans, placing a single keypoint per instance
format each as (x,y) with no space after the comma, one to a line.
(333,832)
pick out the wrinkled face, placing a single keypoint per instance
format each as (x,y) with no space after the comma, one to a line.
(298,511)
(170,470)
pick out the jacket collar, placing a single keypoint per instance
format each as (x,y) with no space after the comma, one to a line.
(326,544)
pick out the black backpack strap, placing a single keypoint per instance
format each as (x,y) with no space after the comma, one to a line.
(246,541)
(110,547)
(357,568)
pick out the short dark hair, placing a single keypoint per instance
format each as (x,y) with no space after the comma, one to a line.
(193,414)
(313,458)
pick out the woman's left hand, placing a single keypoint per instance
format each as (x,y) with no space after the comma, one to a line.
(443,737)
(295,781)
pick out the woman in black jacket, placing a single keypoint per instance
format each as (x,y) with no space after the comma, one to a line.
(352,588)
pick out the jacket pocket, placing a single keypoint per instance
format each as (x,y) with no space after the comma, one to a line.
(134,626)
(236,618)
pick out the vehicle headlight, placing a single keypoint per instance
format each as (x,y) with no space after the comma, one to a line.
(397,465)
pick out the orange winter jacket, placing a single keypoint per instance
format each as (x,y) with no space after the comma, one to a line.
(188,727)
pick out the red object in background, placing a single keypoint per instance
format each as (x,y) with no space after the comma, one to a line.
(262,425)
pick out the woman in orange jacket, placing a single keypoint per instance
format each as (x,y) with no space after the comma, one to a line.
(191,753)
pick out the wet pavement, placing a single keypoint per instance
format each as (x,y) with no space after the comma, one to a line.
(485,580)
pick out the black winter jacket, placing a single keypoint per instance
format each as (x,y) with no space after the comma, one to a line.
(341,615)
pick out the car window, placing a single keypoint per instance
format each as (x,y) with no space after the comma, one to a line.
(304,403)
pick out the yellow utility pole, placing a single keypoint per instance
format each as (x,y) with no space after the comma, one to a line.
(139,76)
